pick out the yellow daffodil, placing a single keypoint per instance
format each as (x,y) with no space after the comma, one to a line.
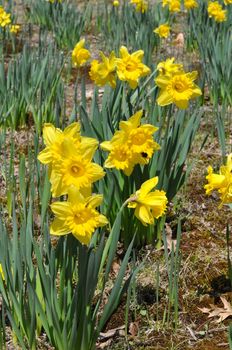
(115,3)
(55,137)
(2,273)
(169,68)
(132,144)
(80,54)
(77,216)
(190,4)
(4,18)
(120,157)
(163,30)
(174,6)
(178,89)
(104,72)
(165,3)
(216,11)
(227,2)
(54,1)
(14,28)
(140,5)
(75,168)
(148,204)
(221,182)
(139,137)
(130,67)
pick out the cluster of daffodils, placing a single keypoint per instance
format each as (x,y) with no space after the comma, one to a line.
(222,182)
(175,5)
(140,5)
(132,144)
(128,67)
(54,1)
(176,86)
(5,21)
(216,11)
(72,172)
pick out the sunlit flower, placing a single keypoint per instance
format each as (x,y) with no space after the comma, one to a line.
(14,28)
(4,18)
(54,1)
(132,144)
(190,4)
(174,6)
(75,168)
(169,68)
(139,137)
(77,216)
(116,3)
(221,182)
(178,89)
(163,30)
(54,139)
(165,3)
(216,11)
(130,67)
(227,2)
(80,54)
(104,72)
(149,205)
(140,5)
(120,157)
(2,273)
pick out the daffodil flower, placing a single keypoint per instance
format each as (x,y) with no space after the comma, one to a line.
(78,216)
(149,205)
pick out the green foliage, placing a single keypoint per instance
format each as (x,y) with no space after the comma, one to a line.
(135,30)
(176,133)
(64,19)
(53,286)
(215,49)
(173,268)
(31,88)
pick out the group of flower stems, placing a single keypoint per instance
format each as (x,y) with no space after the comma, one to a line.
(72,172)
(176,86)
(215,9)
(6,22)
(69,155)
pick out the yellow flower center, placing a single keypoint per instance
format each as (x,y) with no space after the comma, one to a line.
(139,138)
(130,66)
(83,220)
(81,217)
(121,156)
(180,86)
(77,170)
